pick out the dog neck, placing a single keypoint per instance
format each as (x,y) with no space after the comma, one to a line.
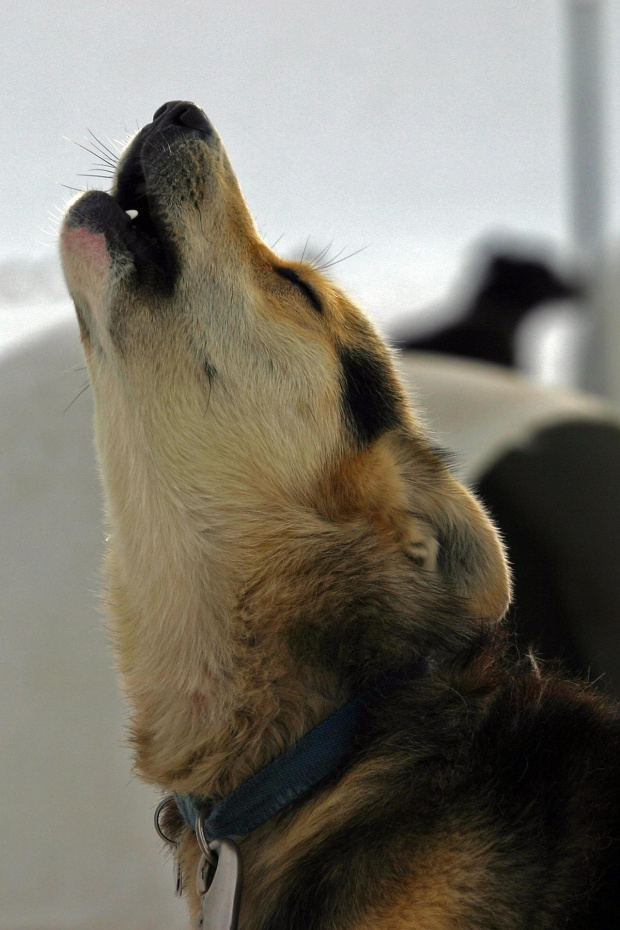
(217,668)
(242,620)
(231,650)
(319,754)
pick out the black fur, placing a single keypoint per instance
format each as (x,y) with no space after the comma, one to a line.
(512,287)
(306,290)
(526,766)
(371,401)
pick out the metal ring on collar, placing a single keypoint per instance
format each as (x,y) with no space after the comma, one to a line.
(202,840)
(163,804)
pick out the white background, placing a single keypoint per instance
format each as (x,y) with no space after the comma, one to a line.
(408,129)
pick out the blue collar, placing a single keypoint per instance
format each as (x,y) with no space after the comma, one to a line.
(316,756)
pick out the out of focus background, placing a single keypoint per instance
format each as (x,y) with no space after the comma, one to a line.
(421,133)
(458,163)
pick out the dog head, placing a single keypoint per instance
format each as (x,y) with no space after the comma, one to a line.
(248,412)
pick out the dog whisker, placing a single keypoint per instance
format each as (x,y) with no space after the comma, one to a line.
(92,152)
(84,388)
(343,259)
(106,152)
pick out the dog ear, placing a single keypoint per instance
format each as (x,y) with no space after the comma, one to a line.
(454,538)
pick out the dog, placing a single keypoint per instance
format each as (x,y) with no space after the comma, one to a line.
(285,537)
(511,288)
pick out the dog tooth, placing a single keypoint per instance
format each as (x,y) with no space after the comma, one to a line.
(132,214)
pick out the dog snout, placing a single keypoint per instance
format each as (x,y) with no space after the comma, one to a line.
(182,114)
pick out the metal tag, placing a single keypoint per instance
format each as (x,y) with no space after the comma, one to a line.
(220,886)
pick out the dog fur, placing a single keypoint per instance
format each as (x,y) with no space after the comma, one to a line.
(282,532)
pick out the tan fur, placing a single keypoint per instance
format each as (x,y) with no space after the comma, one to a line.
(451,876)
(233,505)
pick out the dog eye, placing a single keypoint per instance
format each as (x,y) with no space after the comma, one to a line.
(306,290)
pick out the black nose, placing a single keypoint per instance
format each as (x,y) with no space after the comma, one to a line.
(184,114)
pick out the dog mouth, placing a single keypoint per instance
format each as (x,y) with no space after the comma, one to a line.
(141,225)
(133,215)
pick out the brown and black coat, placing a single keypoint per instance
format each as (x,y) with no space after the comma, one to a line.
(282,532)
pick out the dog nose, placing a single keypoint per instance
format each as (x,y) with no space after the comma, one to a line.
(184,114)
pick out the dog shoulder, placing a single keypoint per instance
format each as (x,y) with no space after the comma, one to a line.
(489,797)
